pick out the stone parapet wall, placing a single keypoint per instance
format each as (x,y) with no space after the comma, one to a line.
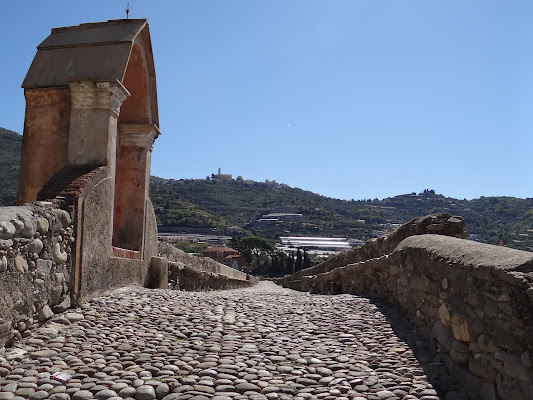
(442,224)
(188,272)
(184,277)
(474,300)
(36,249)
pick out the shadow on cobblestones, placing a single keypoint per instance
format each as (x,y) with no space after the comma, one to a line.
(424,350)
(260,343)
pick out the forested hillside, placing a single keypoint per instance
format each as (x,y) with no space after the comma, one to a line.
(210,204)
(488,219)
(495,219)
(10,147)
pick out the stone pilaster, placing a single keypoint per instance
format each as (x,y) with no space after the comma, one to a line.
(139,138)
(132,182)
(95,107)
(45,141)
(138,135)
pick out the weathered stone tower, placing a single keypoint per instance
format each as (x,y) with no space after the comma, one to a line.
(91,120)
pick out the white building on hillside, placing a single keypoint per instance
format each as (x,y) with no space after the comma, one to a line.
(315,243)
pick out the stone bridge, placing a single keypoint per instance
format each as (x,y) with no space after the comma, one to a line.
(263,342)
(439,317)
(420,314)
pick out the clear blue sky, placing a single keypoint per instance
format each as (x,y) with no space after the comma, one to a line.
(349,99)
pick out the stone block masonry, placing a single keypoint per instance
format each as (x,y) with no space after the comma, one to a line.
(474,300)
(36,250)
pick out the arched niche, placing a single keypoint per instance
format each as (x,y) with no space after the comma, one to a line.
(136,109)
(136,133)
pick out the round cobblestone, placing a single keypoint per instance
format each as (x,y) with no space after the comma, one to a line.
(261,343)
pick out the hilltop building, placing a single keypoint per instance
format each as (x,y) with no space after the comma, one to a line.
(222,177)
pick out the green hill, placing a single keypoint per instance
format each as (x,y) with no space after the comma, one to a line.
(211,205)
(10,147)
(320,215)
(488,219)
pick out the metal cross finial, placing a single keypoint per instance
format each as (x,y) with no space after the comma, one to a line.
(128,11)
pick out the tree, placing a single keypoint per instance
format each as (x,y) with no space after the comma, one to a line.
(258,252)
(278,264)
(290,265)
(307,261)
(298,265)
(282,262)
(274,269)
(257,245)
(261,265)
(247,253)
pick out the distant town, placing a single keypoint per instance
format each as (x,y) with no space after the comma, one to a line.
(293,219)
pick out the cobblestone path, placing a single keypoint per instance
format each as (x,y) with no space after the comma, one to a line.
(259,343)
